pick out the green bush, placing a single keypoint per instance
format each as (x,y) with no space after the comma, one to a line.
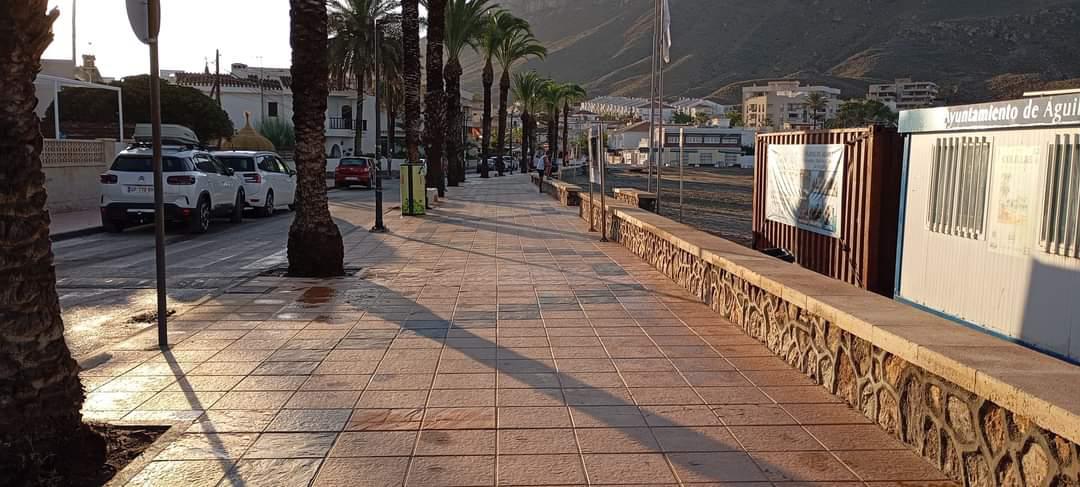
(280,132)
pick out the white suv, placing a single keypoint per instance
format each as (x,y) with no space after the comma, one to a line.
(269,183)
(196,187)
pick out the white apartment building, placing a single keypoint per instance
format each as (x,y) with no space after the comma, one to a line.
(696,106)
(783,105)
(267,94)
(905,94)
(621,106)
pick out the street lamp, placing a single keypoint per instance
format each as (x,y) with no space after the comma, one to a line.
(379,226)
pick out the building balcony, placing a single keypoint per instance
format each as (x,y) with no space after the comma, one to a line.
(339,123)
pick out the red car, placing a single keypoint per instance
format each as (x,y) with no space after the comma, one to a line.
(354,171)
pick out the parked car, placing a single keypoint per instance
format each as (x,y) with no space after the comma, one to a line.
(196,187)
(269,183)
(354,170)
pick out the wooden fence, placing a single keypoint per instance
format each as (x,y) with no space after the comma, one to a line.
(865,253)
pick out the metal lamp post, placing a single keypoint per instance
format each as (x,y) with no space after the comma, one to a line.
(379,226)
(145,18)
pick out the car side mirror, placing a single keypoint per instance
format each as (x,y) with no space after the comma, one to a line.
(229,171)
(291,172)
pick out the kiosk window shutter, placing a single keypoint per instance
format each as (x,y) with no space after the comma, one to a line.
(958,186)
(1061,205)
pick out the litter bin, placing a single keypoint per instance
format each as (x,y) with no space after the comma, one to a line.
(413,187)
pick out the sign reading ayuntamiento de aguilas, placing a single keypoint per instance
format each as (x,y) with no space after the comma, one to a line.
(1043,111)
(805,187)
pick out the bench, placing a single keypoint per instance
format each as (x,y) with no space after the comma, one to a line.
(636,198)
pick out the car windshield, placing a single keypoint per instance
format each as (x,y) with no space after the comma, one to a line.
(134,163)
(353,162)
(238,164)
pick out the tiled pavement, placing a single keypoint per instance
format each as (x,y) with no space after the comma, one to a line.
(493,342)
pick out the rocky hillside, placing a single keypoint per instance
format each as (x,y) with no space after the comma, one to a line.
(976,49)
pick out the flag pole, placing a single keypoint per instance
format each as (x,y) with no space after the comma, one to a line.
(652,95)
(682,149)
(665,42)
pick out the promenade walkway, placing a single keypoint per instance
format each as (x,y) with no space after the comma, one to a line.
(493,342)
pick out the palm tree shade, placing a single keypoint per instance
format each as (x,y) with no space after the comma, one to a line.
(352,33)
(466,21)
(40,392)
(315,248)
(435,98)
(516,46)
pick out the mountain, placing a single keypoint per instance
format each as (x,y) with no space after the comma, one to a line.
(975,49)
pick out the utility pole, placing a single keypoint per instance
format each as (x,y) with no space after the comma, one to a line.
(217,76)
(73,39)
(379,226)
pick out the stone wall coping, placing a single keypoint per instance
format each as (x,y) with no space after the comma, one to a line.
(645,195)
(1028,383)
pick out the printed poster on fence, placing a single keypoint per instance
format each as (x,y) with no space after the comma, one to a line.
(1012,199)
(805,186)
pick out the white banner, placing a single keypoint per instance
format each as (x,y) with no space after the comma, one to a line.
(1012,199)
(805,187)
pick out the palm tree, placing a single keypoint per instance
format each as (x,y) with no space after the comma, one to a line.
(390,58)
(393,100)
(465,24)
(527,89)
(572,94)
(518,45)
(816,103)
(551,98)
(499,25)
(40,420)
(315,248)
(435,98)
(352,33)
(410,49)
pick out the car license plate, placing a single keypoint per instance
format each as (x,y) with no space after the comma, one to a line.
(352,178)
(140,189)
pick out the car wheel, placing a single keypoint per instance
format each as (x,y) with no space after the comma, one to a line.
(238,208)
(200,221)
(112,226)
(268,208)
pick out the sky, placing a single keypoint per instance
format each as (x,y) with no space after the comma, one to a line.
(244,30)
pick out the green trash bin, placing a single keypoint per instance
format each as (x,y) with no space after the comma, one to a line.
(413,185)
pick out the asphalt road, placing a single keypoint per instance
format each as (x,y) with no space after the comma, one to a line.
(107,282)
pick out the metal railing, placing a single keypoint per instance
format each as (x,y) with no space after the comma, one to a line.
(341,123)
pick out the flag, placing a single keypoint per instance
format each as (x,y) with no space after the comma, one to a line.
(665,40)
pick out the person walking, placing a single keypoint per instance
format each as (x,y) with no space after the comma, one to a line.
(540,163)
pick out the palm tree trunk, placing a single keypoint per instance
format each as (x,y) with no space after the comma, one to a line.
(410,42)
(435,99)
(485,137)
(315,247)
(566,127)
(40,394)
(553,134)
(358,137)
(504,94)
(524,141)
(454,127)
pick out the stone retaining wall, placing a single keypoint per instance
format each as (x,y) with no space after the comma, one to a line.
(971,438)
(567,194)
(636,198)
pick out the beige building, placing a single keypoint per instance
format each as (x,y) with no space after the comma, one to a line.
(905,94)
(783,105)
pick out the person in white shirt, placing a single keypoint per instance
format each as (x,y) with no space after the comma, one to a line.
(539,163)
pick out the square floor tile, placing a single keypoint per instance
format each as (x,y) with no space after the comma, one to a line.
(276,472)
(310,420)
(323,400)
(536,441)
(375,399)
(208,446)
(890,465)
(695,439)
(456,442)
(631,468)
(385,419)
(715,467)
(459,418)
(375,472)
(533,417)
(775,438)
(202,473)
(451,471)
(802,466)
(616,440)
(291,445)
(540,470)
(374,444)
